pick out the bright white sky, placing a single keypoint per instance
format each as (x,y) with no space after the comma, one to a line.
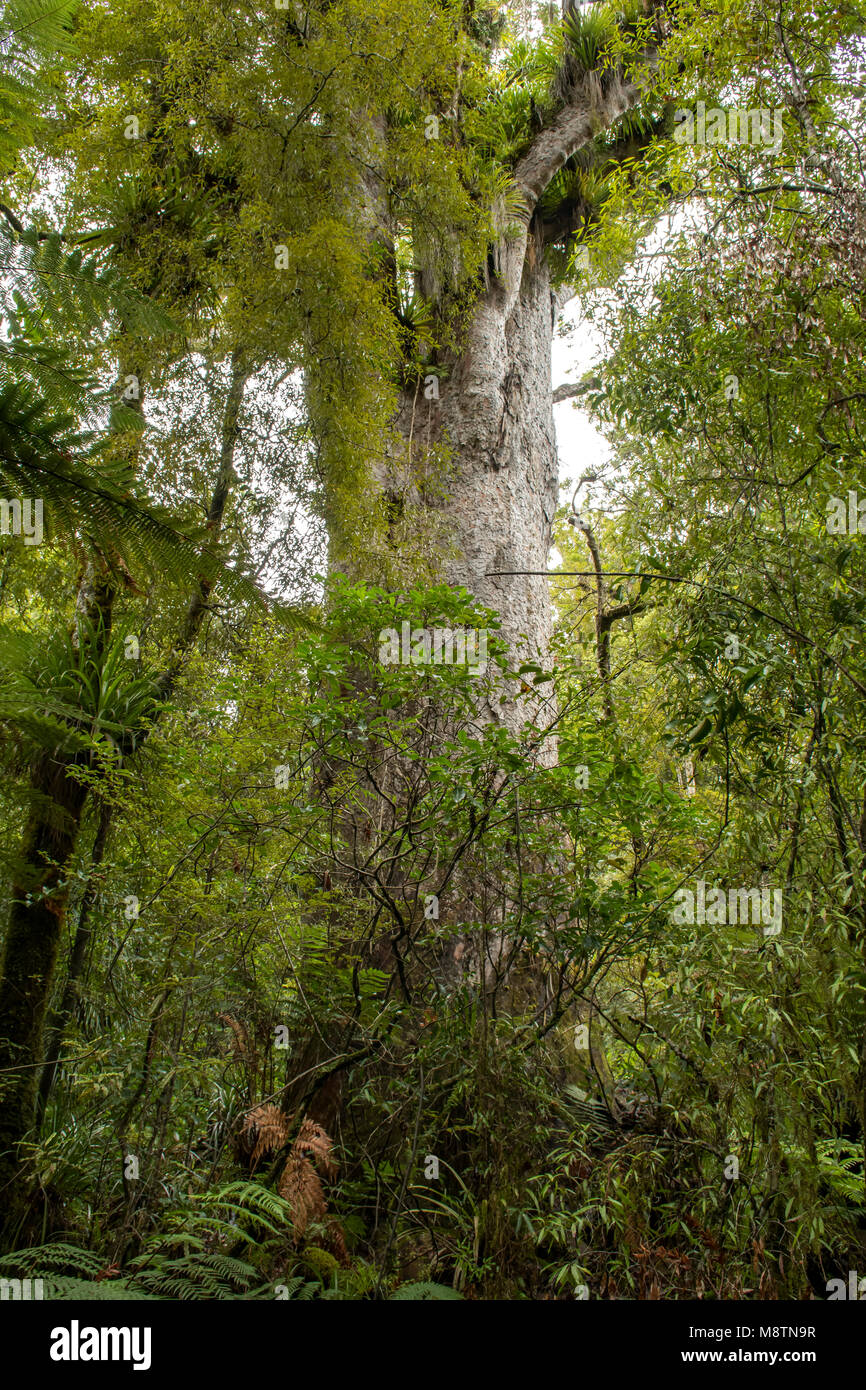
(580,445)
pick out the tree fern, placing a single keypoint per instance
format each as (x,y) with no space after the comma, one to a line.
(414,1293)
(57,307)
(87,490)
(56,310)
(31,32)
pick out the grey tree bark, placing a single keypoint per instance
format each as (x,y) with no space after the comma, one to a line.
(494,416)
(493,412)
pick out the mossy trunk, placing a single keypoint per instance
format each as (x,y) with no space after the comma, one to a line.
(39,898)
(39,893)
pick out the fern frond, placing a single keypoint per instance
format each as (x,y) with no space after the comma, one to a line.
(48,284)
(68,1290)
(414,1293)
(86,491)
(44,1260)
(32,34)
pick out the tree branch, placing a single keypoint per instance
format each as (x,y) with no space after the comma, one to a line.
(198,603)
(589,111)
(792,632)
(569,389)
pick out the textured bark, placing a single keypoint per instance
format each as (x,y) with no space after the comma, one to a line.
(494,408)
(495,412)
(494,421)
(485,419)
(38,910)
(587,109)
(77,959)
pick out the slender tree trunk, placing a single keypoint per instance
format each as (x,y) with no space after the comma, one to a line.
(78,956)
(40,891)
(36,919)
(39,900)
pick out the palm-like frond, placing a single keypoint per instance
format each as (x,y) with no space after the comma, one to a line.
(30,32)
(69,290)
(588,34)
(88,491)
(51,296)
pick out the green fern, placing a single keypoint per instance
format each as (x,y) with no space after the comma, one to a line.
(51,296)
(92,1291)
(840,1164)
(33,33)
(298,1289)
(414,1293)
(71,292)
(87,490)
(45,1261)
(197,1276)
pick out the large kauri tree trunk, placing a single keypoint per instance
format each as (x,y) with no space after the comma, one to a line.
(492,410)
(494,416)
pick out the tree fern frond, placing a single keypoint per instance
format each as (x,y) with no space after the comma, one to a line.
(41,1260)
(37,27)
(71,292)
(97,496)
(32,33)
(413,1293)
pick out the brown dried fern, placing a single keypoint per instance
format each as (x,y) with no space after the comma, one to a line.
(242,1042)
(301,1185)
(314,1142)
(265,1130)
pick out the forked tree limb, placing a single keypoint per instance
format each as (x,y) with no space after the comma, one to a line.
(605,617)
(590,110)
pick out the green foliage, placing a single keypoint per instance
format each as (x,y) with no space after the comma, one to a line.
(415,1293)
(77,694)
(33,34)
(324,883)
(588,34)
